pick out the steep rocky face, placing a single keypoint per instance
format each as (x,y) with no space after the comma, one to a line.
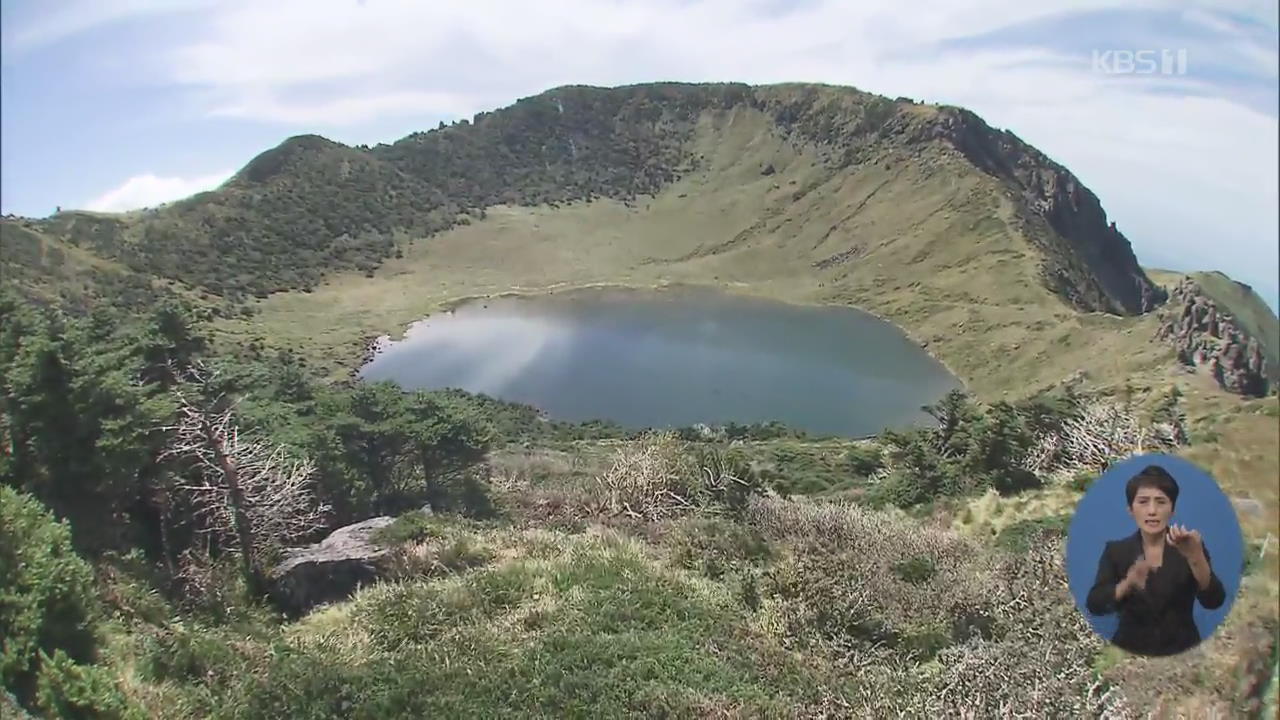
(1206,336)
(1088,261)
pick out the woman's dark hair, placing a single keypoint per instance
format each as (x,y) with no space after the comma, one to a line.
(1152,476)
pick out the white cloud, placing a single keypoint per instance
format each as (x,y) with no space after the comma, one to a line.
(78,16)
(142,191)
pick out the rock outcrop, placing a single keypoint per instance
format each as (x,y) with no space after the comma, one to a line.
(1087,260)
(332,569)
(1206,336)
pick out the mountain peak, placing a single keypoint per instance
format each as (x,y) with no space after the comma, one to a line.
(281,158)
(311,206)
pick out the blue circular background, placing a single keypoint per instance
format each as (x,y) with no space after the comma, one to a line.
(1102,516)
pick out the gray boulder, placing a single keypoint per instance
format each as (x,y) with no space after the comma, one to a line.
(332,569)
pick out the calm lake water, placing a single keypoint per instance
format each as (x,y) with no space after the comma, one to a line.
(673,358)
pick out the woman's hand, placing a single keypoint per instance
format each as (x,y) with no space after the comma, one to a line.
(1188,542)
(1135,579)
(1191,546)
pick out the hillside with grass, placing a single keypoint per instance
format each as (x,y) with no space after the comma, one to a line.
(178,418)
(311,206)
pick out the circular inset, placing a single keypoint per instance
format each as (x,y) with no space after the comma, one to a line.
(1154,555)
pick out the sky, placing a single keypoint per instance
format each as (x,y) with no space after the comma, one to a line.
(112,105)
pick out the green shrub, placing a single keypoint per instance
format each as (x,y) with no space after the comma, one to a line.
(715,547)
(66,689)
(903,490)
(1012,481)
(47,600)
(413,526)
(923,643)
(1082,480)
(1023,535)
(916,570)
(473,497)
(187,654)
(795,470)
(1253,558)
(129,585)
(865,460)
(730,471)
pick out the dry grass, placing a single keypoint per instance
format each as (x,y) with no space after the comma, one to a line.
(928,235)
(650,480)
(987,514)
(933,252)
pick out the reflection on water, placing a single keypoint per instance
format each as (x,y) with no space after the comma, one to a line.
(485,352)
(674,358)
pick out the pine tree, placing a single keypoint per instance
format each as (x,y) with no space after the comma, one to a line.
(446,441)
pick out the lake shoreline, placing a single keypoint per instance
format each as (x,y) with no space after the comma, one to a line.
(371,345)
(847,374)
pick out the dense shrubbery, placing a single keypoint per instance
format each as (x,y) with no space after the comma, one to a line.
(865,460)
(49,612)
(1011,448)
(90,423)
(733,431)
(79,417)
(717,547)
(684,588)
(972,449)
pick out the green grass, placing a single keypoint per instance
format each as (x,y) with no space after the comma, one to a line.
(1019,536)
(922,265)
(592,624)
(599,630)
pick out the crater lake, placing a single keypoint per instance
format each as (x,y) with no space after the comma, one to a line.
(673,358)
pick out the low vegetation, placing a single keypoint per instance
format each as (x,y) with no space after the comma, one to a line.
(587,570)
(684,573)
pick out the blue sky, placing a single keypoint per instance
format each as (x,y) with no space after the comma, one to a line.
(115,104)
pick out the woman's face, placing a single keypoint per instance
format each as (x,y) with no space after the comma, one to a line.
(1151,510)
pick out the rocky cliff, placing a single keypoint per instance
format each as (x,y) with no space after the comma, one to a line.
(1087,260)
(1207,336)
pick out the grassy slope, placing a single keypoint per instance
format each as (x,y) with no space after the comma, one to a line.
(930,236)
(48,265)
(51,270)
(929,230)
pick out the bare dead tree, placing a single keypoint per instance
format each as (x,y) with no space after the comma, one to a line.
(1102,433)
(249,495)
(647,480)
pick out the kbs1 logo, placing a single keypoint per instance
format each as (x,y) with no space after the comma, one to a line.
(1140,62)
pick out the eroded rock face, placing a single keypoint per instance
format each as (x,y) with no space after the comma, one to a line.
(1205,336)
(1087,260)
(332,569)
